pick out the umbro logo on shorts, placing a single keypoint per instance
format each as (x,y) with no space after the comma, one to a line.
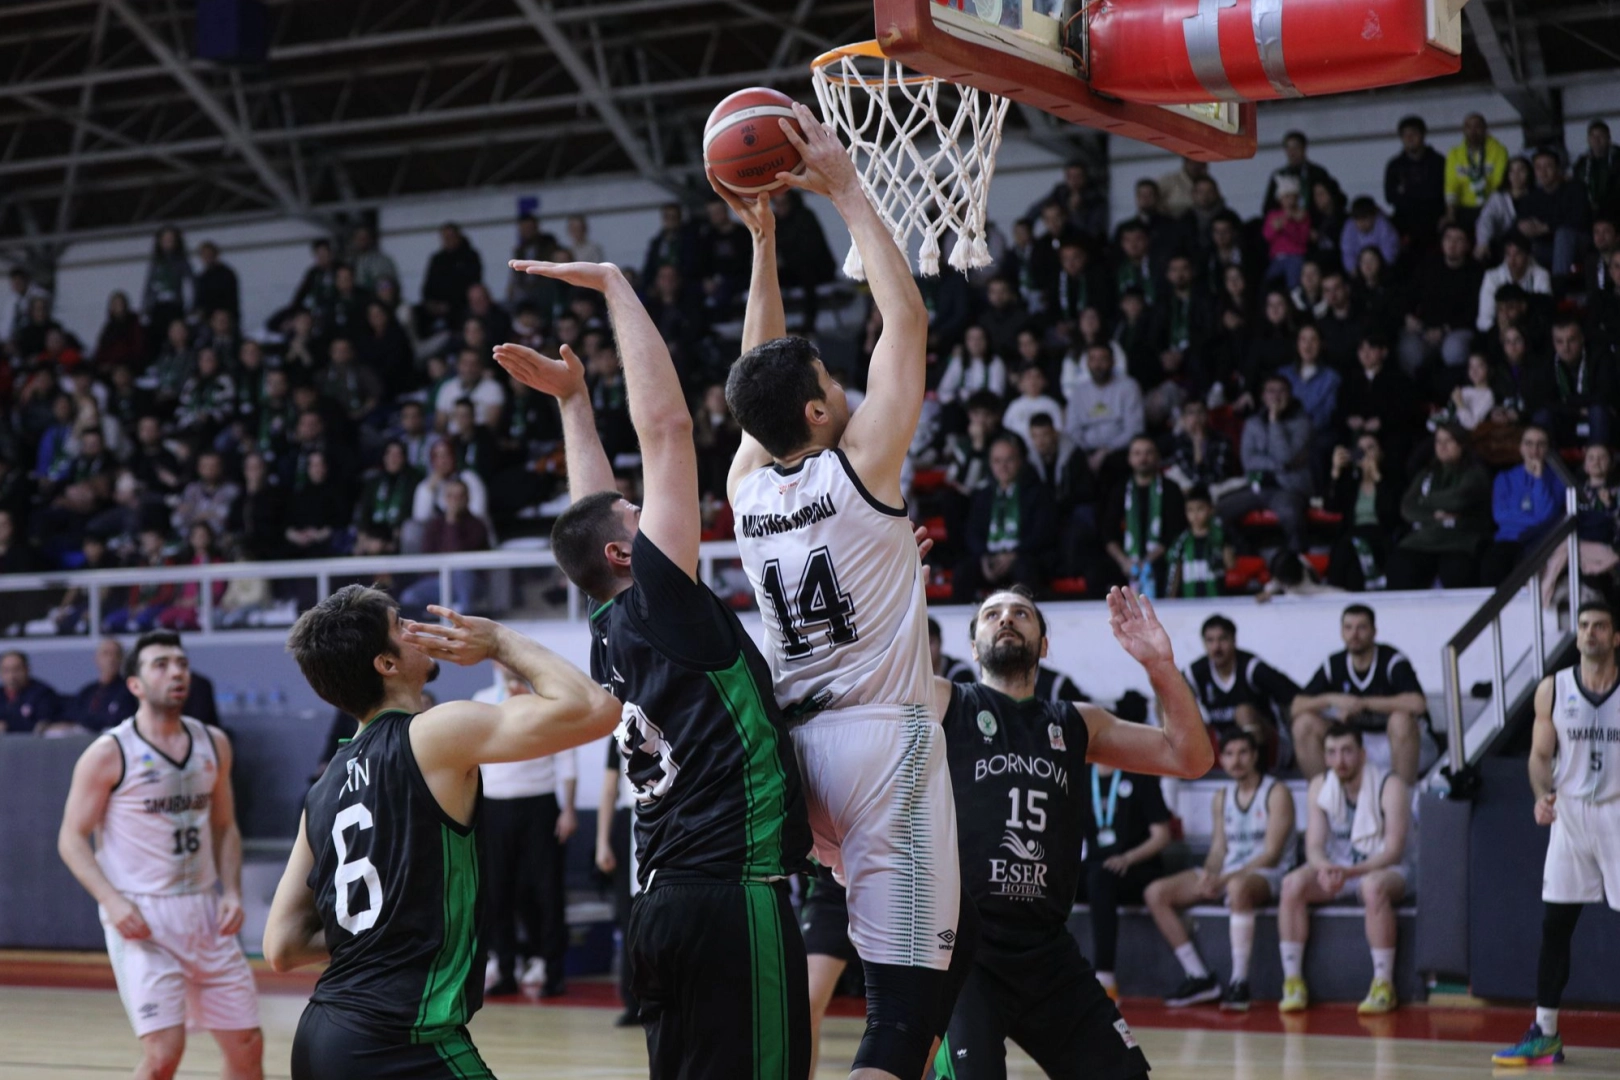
(948,937)
(150,1009)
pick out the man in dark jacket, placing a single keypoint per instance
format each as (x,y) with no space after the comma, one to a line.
(1597,171)
(25,702)
(1571,396)
(215,287)
(1441,322)
(1010,528)
(452,270)
(1554,215)
(1379,398)
(1415,186)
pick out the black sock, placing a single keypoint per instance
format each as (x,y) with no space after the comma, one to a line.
(1552,972)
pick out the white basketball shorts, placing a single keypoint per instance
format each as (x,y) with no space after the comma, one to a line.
(186,972)
(1583,855)
(878,791)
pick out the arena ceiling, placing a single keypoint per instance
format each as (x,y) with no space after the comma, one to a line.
(108,123)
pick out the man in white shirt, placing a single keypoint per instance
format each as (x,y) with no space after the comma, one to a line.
(1519,268)
(528,818)
(1105,414)
(474,383)
(1032,400)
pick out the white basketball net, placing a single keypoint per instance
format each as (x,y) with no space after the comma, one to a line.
(925,163)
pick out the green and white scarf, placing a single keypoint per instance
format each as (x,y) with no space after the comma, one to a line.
(1136,545)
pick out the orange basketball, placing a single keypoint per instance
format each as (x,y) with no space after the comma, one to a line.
(743,142)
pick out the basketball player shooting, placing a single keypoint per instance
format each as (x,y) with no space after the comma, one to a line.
(824,538)
(1572,772)
(157,788)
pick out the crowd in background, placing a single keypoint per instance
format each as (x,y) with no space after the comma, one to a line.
(1381,382)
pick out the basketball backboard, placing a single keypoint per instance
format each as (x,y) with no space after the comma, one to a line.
(1028,51)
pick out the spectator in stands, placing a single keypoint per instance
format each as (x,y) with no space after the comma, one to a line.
(371,266)
(492,319)
(971,368)
(1252,848)
(1475,168)
(1163,233)
(1571,396)
(1379,398)
(1448,506)
(1182,325)
(387,498)
(1271,343)
(16,556)
(1597,172)
(215,287)
(174,362)
(122,339)
(346,314)
(351,385)
(414,434)
(1130,828)
(429,497)
(455,528)
(947,667)
(1414,185)
(318,513)
(1175,189)
(25,702)
(1368,499)
(1382,301)
(717,435)
(671,245)
(1225,249)
(579,240)
(1526,501)
(207,499)
(1084,210)
(1355,846)
(1032,401)
(1199,456)
(1276,456)
(1106,414)
(1443,321)
(185,613)
(207,399)
(1058,466)
(1605,310)
(256,517)
(1369,686)
(474,382)
(1597,522)
(454,268)
(967,457)
(1200,557)
(1003,317)
(1502,209)
(144,603)
(1297,167)
(473,443)
(104,701)
(1554,214)
(803,259)
(15,311)
(1205,207)
(168,279)
(532,244)
(1287,230)
(724,257)
(1367,228)
(1075,284)
(318,287)
(1139,521)
(1011,528)
(1605,246)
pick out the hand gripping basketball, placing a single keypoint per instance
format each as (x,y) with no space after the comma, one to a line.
(827,168)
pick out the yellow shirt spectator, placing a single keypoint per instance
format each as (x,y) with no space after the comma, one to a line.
(1472,175)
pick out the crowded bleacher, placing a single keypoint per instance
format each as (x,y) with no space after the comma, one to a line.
(1334,389)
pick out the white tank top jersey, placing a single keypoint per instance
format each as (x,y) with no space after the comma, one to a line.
(1588,756)
(839,585)
(156,838)
(1246,829)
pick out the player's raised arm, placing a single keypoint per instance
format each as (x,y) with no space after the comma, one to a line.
(880,432)
(566,709)
(669,514)
(293,935)
(763,319)
(589,470)
(1180,748)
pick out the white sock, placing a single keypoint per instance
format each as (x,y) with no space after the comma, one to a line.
(1384,964)
(1191,962)
(1293,959)
(1548,1019)
(1106,978)
(1242,933)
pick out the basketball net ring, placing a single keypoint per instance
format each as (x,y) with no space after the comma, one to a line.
(882,110)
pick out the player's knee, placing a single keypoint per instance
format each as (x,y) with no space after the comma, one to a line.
(1402,726)
(1156,895)
(1237,894)
(902,1018)
(1307,725)
(245,1048)
(1293,887)
(163,1056)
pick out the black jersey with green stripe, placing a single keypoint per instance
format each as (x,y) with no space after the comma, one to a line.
(704,745)
(399,888)
(1017,773)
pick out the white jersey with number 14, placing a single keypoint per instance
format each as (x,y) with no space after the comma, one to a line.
(839,585)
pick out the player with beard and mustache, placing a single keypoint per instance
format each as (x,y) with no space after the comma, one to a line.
(384,878)
(1017,764)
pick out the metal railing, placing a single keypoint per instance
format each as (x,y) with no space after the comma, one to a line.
(1489,618)
(95,582)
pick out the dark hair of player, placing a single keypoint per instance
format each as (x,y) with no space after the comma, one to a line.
(768,388)
(1341,730)
(1237,735)
(578,537)
(1359,609)
(335,643)
(132,660)
(1598,606)
(1218,622)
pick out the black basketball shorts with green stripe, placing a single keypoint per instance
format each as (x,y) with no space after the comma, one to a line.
(719,969)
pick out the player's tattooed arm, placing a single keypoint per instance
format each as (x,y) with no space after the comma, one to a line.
(293,935)
(1543,748)
(96,774)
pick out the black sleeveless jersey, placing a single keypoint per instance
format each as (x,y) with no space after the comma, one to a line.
(1017,770)
(399,889)
(704,744)
(1252,682)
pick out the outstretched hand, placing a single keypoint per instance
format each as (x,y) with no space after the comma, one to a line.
(827,168)
(467,640)
(754,211)
(1137,629)
(562,378)
(587,275)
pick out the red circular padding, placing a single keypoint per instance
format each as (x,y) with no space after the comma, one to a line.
(743,142)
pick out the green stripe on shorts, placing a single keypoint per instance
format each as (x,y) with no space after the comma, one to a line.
(770,995)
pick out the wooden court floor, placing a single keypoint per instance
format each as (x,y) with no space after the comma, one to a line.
(67,1024)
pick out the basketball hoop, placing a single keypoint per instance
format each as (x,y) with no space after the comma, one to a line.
(925,149)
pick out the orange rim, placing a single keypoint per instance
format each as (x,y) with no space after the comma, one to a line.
(869,50)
